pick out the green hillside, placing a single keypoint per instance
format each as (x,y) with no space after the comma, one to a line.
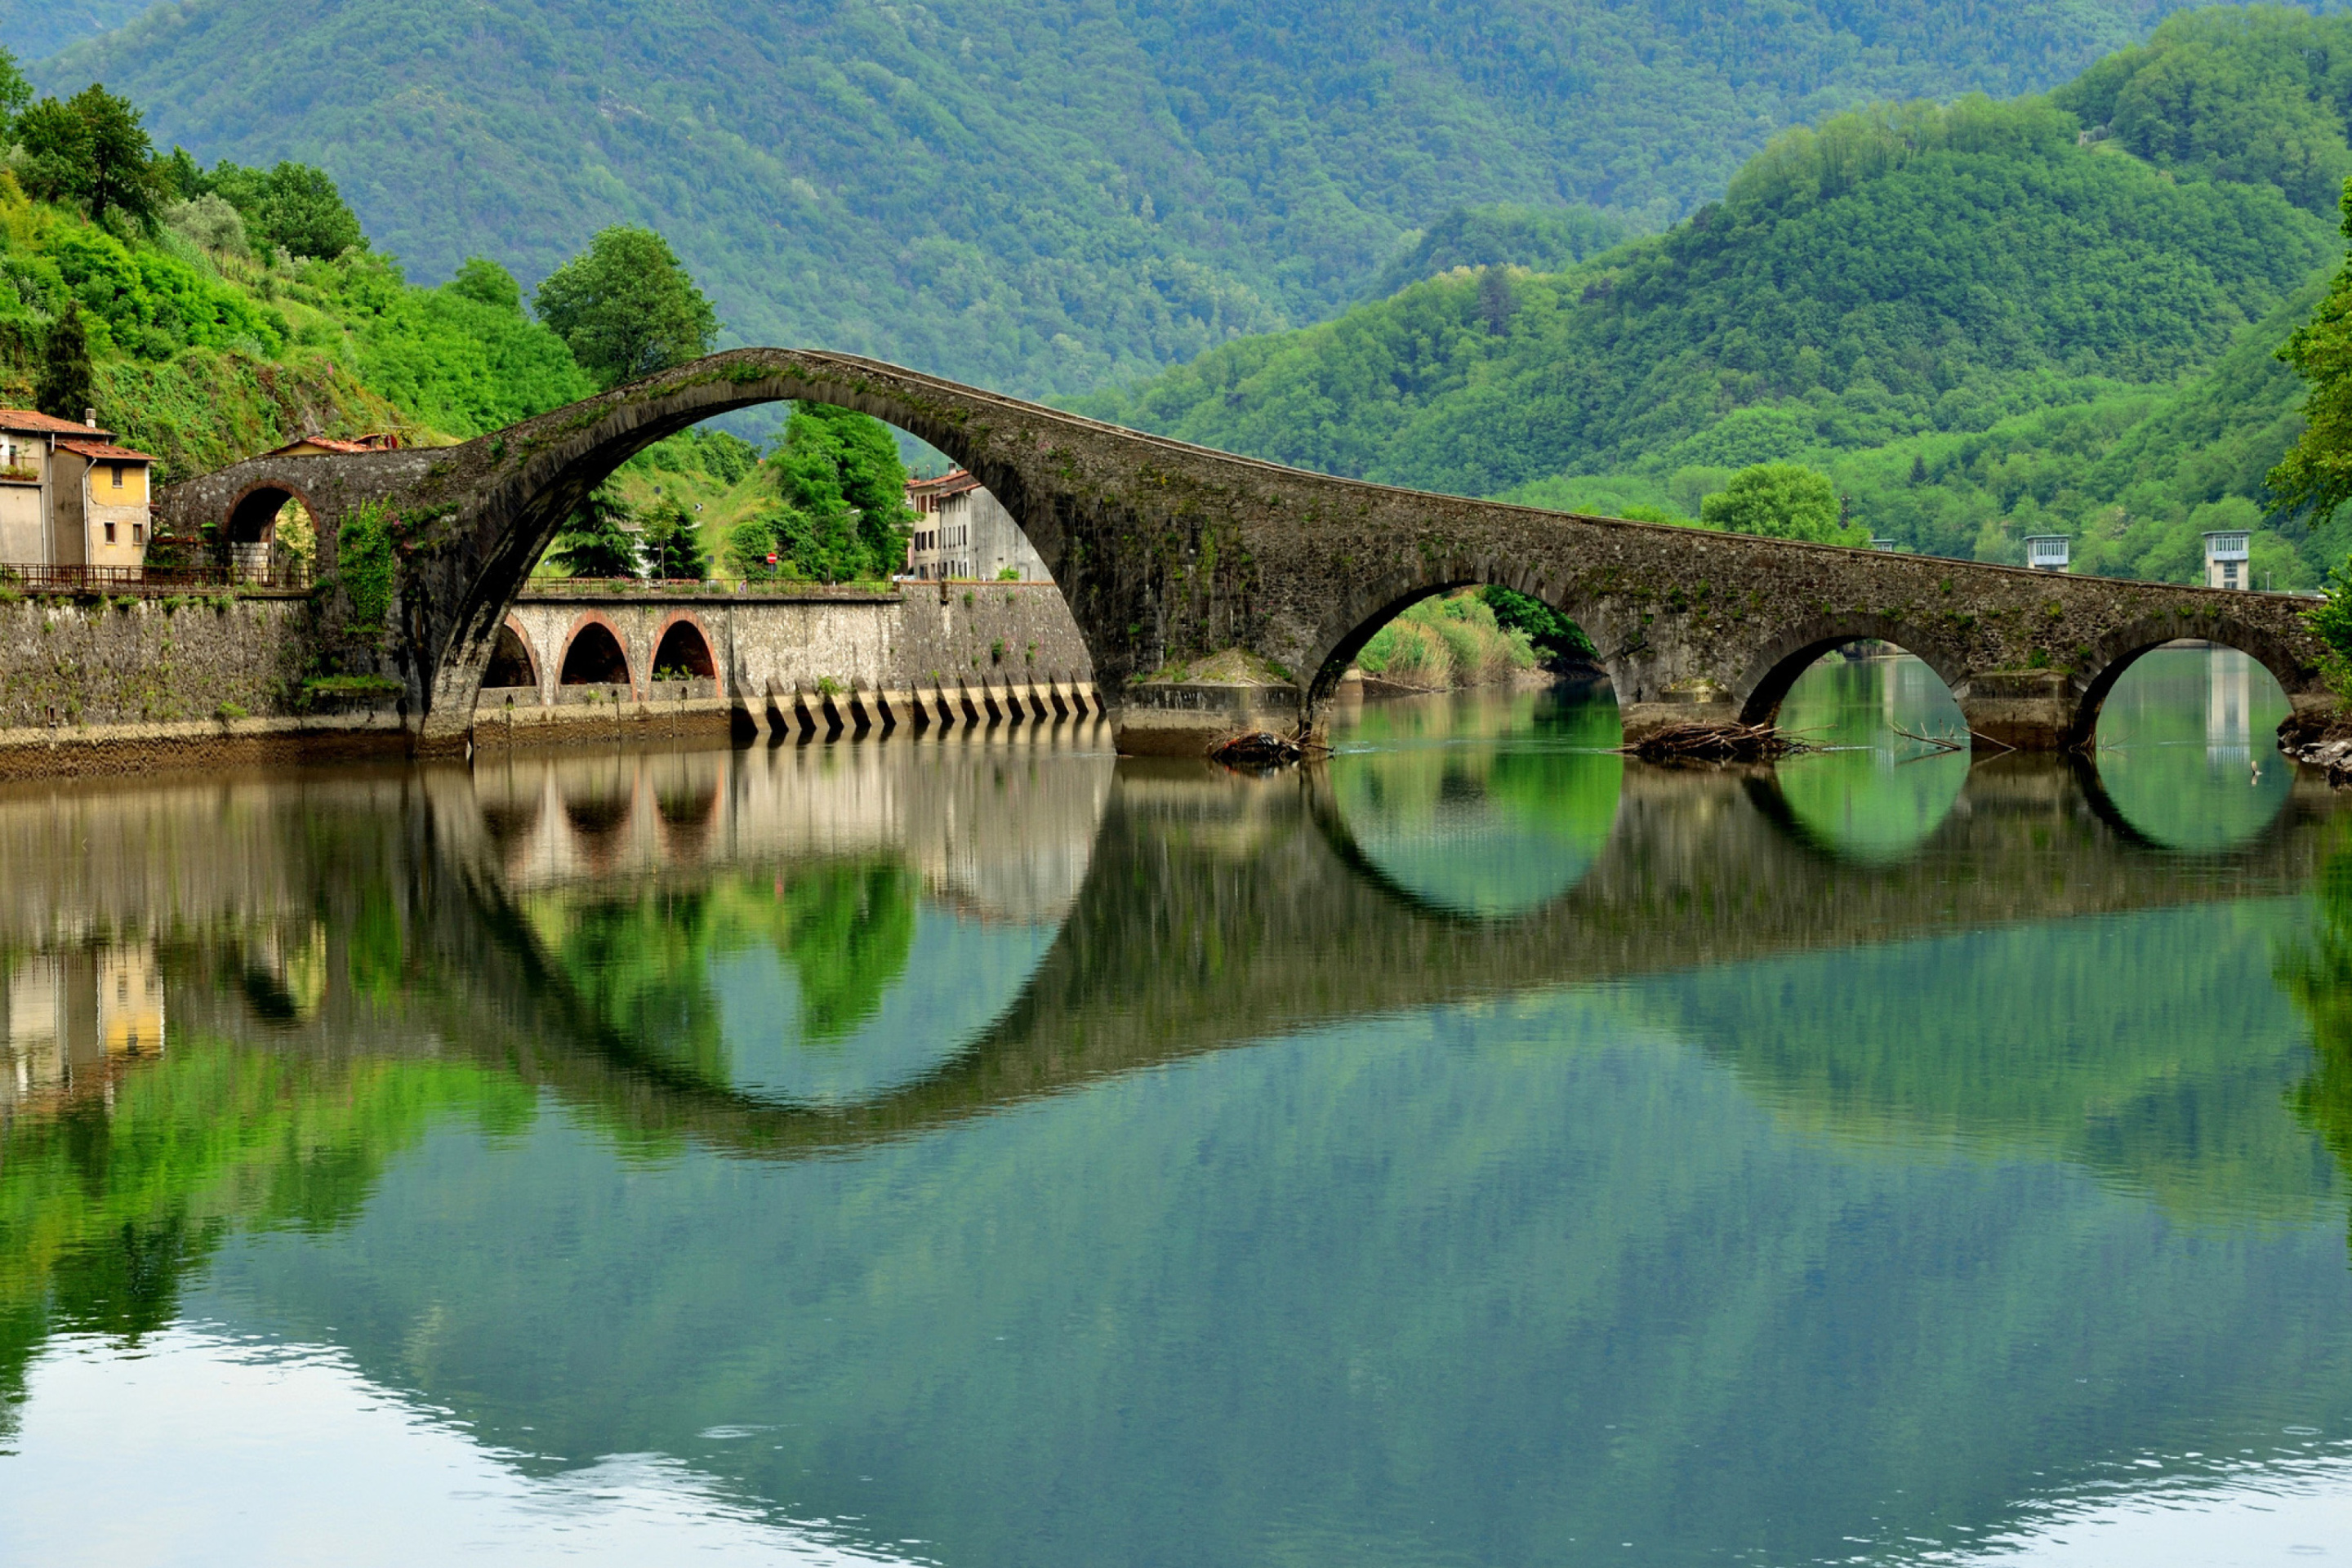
(1042,194)
(2056,314)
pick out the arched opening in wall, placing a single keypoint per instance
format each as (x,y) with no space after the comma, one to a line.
(595,658)
(511,664)
(250,537)
(2185,744)
(684,655)
(1475,765)
(1891,746)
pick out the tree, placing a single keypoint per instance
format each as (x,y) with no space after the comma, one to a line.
(293,208)
(57,151)
(121,158)
(838,472)
(626,307)
(63,391)
(673,544)
(15,94)
(598,543)
(1778,500)
(2316,475)
(93,148)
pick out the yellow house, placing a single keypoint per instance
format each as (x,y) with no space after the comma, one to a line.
(69,497)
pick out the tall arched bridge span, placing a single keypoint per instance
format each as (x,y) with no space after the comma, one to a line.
(1168,553)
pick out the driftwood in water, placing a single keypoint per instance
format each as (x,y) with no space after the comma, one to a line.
(1261,749)
(1713,742)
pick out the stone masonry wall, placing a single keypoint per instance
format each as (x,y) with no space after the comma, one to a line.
(78,663)
(93,682)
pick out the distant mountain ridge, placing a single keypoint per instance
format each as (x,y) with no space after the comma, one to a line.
(2057,314)
(1044,195)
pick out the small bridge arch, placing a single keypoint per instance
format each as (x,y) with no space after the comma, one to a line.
(2107,660)
(595,655)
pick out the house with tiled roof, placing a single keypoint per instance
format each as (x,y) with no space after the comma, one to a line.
(962,530)
(68,495)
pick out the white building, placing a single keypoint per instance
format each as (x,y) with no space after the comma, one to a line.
(2227,557)
(962,530)
(2048,552)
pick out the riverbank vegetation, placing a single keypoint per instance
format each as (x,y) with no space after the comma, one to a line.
(1453,639)
(1976,321)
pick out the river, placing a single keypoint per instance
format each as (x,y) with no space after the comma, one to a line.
(1479,1148)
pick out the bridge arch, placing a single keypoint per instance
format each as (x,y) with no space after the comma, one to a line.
(2107,659)
(683,645)
(1783,660)
(595,655)
(513,662)
(249,529)
(1363,611)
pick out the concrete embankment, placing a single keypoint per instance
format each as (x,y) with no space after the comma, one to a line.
(98,685)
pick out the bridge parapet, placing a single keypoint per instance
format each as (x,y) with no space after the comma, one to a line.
(1168,553)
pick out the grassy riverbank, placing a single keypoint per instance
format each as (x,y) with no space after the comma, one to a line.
(1447,642)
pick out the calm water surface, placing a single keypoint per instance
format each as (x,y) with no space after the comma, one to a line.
(1480,1150)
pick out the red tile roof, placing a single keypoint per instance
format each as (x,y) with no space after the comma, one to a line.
(948,484)
(25,419)
(100,452)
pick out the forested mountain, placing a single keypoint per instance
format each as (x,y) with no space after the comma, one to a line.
(1042,194)
(2055,314)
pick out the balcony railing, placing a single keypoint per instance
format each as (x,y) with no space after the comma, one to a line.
(37,577)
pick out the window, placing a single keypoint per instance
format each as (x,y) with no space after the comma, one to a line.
(110,533)
(138,533)
(118,475)
(2228,571)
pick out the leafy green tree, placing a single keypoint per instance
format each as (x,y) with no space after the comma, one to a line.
(15,94)
(120,176)
(1552,632)
(2316,475)
(57,146)
(64,390)
(93,149)
(843,494)
(673,543)
(626,307)
(599,541)
(292,207)
(1778,500)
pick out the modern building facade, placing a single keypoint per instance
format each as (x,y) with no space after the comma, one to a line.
(68,495)
(2049,552)
(2228,559)
(962,530)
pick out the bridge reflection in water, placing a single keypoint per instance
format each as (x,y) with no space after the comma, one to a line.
(780,957)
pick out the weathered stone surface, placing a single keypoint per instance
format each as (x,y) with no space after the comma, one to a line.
(68,663)
(1166,552)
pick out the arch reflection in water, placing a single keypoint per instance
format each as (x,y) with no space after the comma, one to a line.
(1481,803)
(2187,747)
(807,926)
(1872,793)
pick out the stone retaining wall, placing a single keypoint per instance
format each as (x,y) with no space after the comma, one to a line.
(93,684)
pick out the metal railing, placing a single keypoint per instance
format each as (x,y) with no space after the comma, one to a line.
(40,577)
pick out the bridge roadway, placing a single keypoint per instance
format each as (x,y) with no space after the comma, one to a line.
(1209,912)
(1170,553)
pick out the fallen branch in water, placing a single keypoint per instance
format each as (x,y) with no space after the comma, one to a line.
(1263,749)
(1942,742)
(1714,742)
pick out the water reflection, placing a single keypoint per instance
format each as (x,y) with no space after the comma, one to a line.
(976,1156)
(1872,791)
(1480,802)
(2187,748)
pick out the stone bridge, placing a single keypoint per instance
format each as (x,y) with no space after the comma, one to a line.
(1170,553)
